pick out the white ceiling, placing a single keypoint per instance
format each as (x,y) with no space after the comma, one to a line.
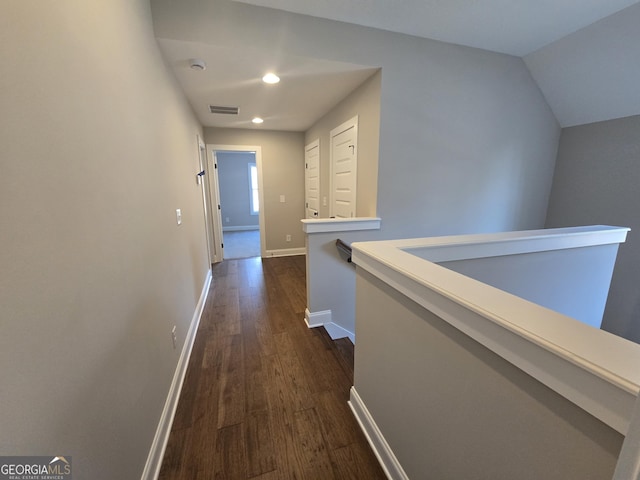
(308,87)
(516,27)
(583,55)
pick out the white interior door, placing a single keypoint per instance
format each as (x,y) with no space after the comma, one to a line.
(218,245)
(203,180)
(312,179)
(344,161)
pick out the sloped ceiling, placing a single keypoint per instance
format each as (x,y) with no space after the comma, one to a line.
(506,26)
(584,55)
(593,74)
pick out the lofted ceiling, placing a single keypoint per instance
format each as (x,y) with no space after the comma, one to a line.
(583,55)
(506,26)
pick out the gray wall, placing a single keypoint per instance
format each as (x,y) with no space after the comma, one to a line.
(571,281)
(467,141)
(331,281)
(282,174)
(597,182)
(97,150)
(364,102)
(451,409)
(233,180)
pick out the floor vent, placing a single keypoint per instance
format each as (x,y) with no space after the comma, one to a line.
(224,110)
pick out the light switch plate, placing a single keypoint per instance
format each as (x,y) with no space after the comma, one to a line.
(178,216)
(281,198)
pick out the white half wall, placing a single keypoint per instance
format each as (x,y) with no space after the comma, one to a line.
(330,279)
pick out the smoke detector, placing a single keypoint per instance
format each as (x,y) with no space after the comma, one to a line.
(197,64)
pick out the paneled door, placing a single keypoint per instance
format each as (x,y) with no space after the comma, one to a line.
(344,160)
(312,179)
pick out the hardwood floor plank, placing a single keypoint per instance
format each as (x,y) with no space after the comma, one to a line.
(275,475)
(174,454)
(261,454)
(226,319)
(311,451)
(338,425)
(294,376)
(230,461)
(265,397)
(320,364)
(356,462)
(232,394)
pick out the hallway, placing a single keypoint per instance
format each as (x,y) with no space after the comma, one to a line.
(264,396)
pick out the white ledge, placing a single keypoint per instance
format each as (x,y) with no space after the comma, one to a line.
(592,368)
(325,225)
(439,249)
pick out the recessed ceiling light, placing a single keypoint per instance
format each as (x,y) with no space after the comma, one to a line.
(257,120)
(271,78)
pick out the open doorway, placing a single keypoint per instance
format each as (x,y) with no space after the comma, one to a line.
(237,190)
(240,203)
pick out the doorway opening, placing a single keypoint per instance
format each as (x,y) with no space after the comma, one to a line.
(237,192)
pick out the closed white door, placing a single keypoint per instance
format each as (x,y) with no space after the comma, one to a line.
(344,160)
(312,179)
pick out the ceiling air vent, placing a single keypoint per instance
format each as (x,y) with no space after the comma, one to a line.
(224,110)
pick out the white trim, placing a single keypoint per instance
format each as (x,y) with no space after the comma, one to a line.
(216,214)
(285,252)
(154,459)
(203,165)
(335,331)
(258,152)
(592,368)
(317,319)
(388,461)
(438,249)
(323,319)
(628,466)
(325,225)
(240,228)
(307,148)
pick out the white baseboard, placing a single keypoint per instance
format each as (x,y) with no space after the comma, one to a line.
(323,319)
(154,460)
(240,228)
(285,252)
(390,464)
(317,319)
(336,331)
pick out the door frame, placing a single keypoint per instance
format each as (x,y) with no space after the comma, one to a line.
(212,149)
(307,148)
(206,199)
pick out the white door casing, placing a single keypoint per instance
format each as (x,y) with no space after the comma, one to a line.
(218,247)
(215,197)
(344,162)
(312,179)
(203,180)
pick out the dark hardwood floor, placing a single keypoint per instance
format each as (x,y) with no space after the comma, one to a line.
(264,396)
